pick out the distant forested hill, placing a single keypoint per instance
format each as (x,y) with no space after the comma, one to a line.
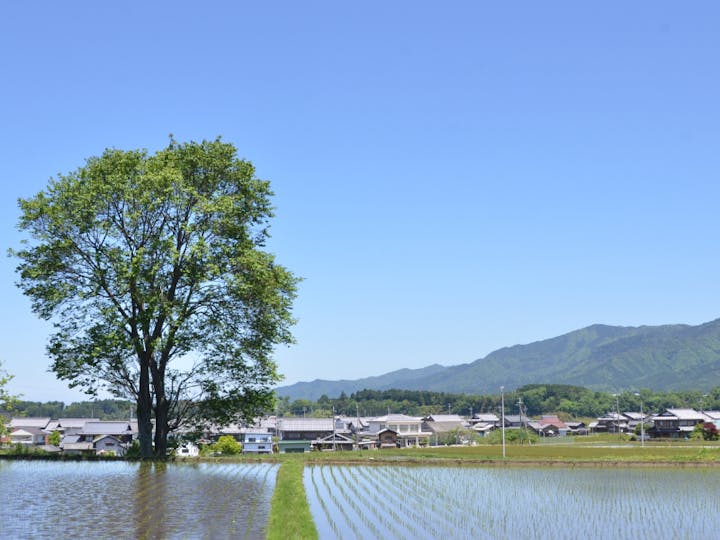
(599,357)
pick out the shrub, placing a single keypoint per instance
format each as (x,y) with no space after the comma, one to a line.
(227,446)
(134,451)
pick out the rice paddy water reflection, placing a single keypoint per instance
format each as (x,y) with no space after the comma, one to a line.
(350,502)
(134,500)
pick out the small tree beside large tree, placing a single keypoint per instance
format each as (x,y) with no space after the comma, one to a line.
(152,269)
(6,399)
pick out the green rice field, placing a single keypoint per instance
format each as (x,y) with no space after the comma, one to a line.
(350,502)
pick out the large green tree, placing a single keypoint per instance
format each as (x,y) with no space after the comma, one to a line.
(153,270)
(6,400)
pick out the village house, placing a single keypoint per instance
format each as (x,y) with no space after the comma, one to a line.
(612,422)
(109,444)
(124,430)
(68,426)
(408,428)
(100,437)
(387,438)
(677,423)
(484,423)
(29,431)
(484,418)
(257,442)
(298,434)
(515,421)
(576,428)
(335,441)
(551,425)
(76,444)
(444,427)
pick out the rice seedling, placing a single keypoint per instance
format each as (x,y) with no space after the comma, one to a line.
(467,502)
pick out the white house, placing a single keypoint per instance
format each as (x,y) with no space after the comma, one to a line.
(107,444)
(408,428)
(27,436)
(28,430)
(257,442)
(187,449)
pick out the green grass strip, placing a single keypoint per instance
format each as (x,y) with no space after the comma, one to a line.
(290,516)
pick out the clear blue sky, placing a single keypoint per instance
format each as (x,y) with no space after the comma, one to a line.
(450,179)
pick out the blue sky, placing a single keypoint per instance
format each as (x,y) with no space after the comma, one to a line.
(449,179)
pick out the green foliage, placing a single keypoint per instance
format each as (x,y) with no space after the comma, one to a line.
(456,436)
(133,452)
(55,438)
(104,409)
(378,402)
(7,401)
(512,436)
(227,446)
(142,260)
(706,431)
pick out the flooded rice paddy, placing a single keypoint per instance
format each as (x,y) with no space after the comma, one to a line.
(134,500)
(349,502)
(50,500)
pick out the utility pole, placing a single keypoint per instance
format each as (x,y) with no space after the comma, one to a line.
(521,405)
(642,420)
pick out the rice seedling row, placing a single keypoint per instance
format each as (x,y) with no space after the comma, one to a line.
(463,502)
(316,496)
(339,507)
(389,491)
(366,507)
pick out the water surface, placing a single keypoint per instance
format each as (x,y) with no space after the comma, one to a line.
(44,499)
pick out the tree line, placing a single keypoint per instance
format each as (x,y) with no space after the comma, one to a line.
(536,399)
(103,409)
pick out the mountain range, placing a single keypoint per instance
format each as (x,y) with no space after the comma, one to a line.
(599,357)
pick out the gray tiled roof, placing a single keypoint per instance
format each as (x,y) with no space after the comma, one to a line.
(397,418)
(110,427)
(686,414)
(66,423)
(446,418)
(305,424)
(30,421)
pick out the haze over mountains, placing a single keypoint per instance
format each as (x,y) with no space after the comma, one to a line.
(599,357)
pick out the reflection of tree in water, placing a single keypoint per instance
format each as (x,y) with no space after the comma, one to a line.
(146,500)
(201,500)
(151,501)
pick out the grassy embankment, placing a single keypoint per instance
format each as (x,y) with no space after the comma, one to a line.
(570,451)
(290,516)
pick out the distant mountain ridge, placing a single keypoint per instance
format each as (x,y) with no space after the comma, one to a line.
(599,357)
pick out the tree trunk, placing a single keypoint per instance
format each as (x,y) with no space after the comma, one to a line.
(161,409)
(144,411)
(161,427)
